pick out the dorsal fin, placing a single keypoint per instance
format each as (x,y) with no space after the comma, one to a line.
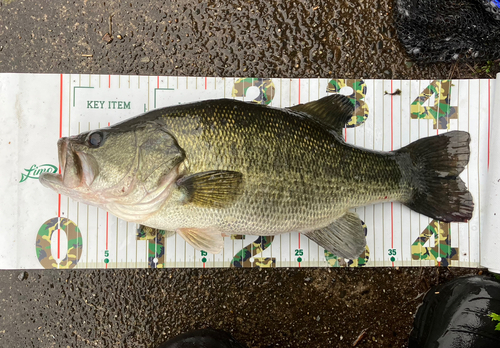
(334,111)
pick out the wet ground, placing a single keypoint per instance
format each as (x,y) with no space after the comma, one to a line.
(262,308)
(272,38)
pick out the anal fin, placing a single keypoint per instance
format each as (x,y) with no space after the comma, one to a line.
(344,237)
(206,239)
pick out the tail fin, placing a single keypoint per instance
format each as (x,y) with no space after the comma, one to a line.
(435,163)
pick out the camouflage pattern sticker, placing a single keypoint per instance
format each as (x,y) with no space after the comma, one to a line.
(442,245)
(441,112)
(146,233)
(357,98)
(156,249)
(332,259)
(265,86)
(361,261)
(43,243)
(237,236)
(242,258)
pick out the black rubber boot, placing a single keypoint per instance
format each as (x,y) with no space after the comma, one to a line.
(458,315)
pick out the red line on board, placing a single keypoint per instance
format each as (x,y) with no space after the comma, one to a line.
(392,148)
(60,109)
(157,81)
(345,133)
(206,79)
(59,231)
(59,196)
(107,223)
(392,119)
(109,81)
(489,106)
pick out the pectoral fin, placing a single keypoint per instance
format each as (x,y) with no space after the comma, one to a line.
(213,189)
(345,237)
(206,239)
(334,111)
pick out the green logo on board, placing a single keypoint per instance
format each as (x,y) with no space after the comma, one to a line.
(35,171)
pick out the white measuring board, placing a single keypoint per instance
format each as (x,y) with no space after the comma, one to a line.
(42,229)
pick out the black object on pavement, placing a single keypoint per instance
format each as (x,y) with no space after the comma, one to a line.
(203,338)
(447,30)
(457,315)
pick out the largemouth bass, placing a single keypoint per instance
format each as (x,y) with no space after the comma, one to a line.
(209,169)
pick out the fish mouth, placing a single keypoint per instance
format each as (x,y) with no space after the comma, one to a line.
(77,168)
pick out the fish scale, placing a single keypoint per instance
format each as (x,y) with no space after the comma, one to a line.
(297,173)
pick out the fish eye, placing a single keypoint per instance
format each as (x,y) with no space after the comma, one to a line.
(95,139)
